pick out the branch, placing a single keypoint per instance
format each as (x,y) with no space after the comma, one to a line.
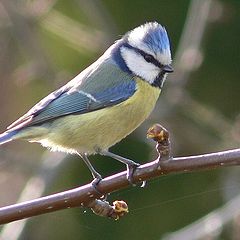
(87,196)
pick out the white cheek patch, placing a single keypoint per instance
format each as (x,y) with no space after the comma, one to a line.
(137,64)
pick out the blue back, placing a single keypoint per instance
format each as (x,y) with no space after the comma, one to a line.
(102,87)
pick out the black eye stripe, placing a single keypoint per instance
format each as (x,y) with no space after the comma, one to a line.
(149,58)
(146,56)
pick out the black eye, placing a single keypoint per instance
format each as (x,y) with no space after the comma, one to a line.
(149,58)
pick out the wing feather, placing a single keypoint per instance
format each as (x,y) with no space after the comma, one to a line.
(102,87)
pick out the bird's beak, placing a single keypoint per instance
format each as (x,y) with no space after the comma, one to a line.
(168,68)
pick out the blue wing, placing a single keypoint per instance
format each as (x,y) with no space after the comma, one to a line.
(98,87)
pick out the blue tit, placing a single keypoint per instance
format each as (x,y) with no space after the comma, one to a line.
(105,102)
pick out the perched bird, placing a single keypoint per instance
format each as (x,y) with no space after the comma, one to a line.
(105,102)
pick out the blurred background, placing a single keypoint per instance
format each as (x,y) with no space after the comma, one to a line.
(45,43)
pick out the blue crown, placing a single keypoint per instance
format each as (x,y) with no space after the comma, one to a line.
(156,37)
(151,34)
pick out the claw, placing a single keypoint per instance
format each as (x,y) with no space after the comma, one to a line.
(130,171)
(97,179)
(131,165)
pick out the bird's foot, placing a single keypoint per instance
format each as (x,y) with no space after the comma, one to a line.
(131,165)
(130,171)
(97,178)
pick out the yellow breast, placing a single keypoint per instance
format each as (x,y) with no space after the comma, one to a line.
(102,128)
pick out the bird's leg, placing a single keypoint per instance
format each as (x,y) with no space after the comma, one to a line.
(96,176)
(131,165)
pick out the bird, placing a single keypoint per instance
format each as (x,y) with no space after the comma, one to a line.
(104,103)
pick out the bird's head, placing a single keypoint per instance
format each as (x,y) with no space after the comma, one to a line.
(145,52)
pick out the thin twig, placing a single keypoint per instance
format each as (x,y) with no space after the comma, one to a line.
(84,195)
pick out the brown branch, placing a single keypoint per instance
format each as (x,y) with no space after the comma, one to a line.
(86,195)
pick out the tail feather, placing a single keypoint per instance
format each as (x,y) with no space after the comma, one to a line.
(7,137)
